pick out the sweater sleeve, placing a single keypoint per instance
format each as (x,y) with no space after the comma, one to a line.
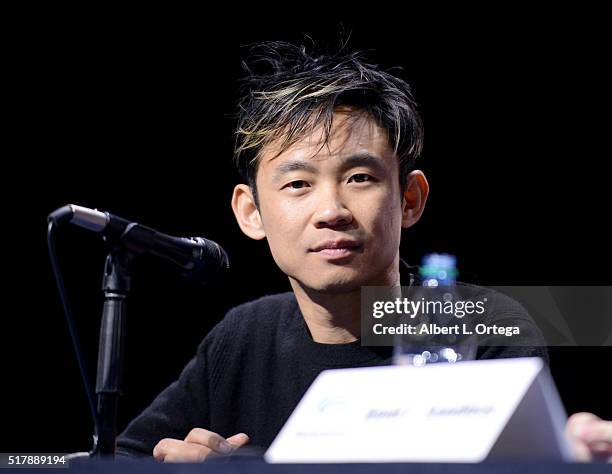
(182,406)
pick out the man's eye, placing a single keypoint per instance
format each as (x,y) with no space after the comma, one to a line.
(297,184)
(361,178)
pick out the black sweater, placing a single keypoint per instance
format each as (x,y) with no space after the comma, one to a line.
(250,372)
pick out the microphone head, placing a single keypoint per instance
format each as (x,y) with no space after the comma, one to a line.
(213,262)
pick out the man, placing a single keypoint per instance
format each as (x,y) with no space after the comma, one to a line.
(327,146)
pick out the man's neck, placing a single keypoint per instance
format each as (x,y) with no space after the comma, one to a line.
(335,317)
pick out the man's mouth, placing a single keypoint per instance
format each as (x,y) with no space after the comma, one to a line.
(337,248)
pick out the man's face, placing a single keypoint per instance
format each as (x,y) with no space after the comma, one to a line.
(333,214)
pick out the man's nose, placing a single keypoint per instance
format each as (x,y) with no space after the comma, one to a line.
(331,210)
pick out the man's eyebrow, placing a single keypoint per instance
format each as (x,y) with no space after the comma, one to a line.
(362,159)
(293,165)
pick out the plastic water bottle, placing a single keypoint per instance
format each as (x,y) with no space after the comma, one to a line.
(438,274)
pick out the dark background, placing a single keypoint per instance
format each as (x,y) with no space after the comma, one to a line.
(132,113)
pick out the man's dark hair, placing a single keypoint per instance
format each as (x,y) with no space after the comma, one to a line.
(288,92)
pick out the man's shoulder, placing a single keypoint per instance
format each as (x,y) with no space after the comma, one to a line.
(497,302)
(254,321)
(505,311)
(269,309)
(279,301)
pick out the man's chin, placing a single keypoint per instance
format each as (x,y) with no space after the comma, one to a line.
(336,288)
(334,279)
(336,284)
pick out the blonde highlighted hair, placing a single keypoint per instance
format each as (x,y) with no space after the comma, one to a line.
(288,91)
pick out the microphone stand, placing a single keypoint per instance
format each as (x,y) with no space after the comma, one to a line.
(116,285)
(191,255)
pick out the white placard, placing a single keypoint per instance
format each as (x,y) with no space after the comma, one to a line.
(461,412)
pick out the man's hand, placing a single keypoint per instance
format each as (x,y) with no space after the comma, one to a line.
(200,444)
(590,437)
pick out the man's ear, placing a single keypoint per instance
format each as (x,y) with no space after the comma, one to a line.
(414,198)
(246,212)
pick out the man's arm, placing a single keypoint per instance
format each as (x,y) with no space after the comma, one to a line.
(182,406)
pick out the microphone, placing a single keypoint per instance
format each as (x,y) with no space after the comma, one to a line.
(195,257)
